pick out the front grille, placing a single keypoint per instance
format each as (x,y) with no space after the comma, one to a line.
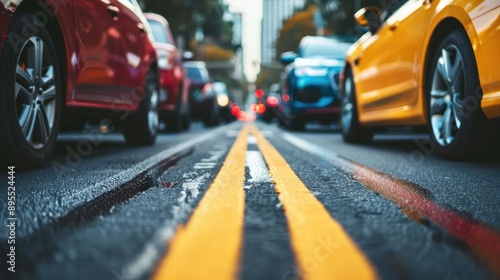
(336,78)
(308,94)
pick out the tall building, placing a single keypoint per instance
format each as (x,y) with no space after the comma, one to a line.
(251,18)
(274,12)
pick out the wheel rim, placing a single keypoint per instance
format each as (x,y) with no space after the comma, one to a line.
(447,95)
(347,105)
(35,92)
(153,109)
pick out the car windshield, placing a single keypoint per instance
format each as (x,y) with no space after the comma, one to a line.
(324,48)
(197,74)
(220,87)
(193,73)
(159,32)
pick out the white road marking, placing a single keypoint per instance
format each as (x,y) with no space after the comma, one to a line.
(257,167)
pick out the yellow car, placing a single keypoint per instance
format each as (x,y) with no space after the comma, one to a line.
(427,62)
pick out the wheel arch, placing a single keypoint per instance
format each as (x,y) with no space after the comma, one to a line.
(54,28)
(153,66)
(442,29)
(347,68)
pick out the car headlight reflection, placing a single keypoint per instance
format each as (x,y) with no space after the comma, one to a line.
(309,71)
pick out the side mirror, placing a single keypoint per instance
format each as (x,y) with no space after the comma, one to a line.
(369,17)
(187,56)
(288,57)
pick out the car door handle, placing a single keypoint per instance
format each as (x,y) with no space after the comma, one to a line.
(113,11)
(393,26)
(357,60)
(141,28)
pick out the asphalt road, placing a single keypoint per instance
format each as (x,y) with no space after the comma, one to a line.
(226,203)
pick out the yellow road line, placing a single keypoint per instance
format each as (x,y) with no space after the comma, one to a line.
(209,246)
(323,250)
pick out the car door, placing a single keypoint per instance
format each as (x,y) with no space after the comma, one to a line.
(389,65)
(133,42)
(99,51)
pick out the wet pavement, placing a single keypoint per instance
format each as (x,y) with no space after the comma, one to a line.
(103,210)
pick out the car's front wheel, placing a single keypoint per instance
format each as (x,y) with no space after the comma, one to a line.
(457,124)
(30,94)
(352,131)
(141,127)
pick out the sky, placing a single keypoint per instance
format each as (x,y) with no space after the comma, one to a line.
(252,15)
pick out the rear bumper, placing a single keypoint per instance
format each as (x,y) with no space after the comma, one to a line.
(169,91)
(202,109)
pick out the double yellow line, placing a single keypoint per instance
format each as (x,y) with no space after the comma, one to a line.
(209,246)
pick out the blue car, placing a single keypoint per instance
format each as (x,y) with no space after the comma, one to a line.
(310,89)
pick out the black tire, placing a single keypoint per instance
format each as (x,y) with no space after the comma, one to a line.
(186,119)
(457,125)
(295,123)
(141,127)
(212,118)
(352,131)
(30,101)
(176,122)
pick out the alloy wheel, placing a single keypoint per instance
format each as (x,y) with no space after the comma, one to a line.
(447,95)
(35,92)
(347,105)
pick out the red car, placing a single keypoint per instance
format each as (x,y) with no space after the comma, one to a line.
(62,59)
(174,85)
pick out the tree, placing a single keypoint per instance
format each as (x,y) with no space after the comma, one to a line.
(294,29)
(184,16)
(267,77)
(339,14)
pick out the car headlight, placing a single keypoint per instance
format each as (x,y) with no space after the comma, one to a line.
(309,71)
(223,100)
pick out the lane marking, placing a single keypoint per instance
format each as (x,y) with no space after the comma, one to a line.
(145,260)
(257,167)
(323,250)
(93,191)
(210,243)
(483,240)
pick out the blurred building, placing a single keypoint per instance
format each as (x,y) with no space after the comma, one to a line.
(274,13)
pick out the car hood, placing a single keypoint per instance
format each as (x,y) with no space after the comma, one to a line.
(318,62)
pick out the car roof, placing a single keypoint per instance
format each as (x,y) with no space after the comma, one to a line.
(195,64)
(157,17)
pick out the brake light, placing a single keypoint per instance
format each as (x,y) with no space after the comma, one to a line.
(272,101)
(207,88)
(286,97)
(260,108)
(235,110)
(259,93)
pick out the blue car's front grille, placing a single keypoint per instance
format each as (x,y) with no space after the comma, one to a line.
(308,94)
(336,77)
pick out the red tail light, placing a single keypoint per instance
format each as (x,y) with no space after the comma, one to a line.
(261,109)
(235,110)
(272,101)
(207,88)
(259,93)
